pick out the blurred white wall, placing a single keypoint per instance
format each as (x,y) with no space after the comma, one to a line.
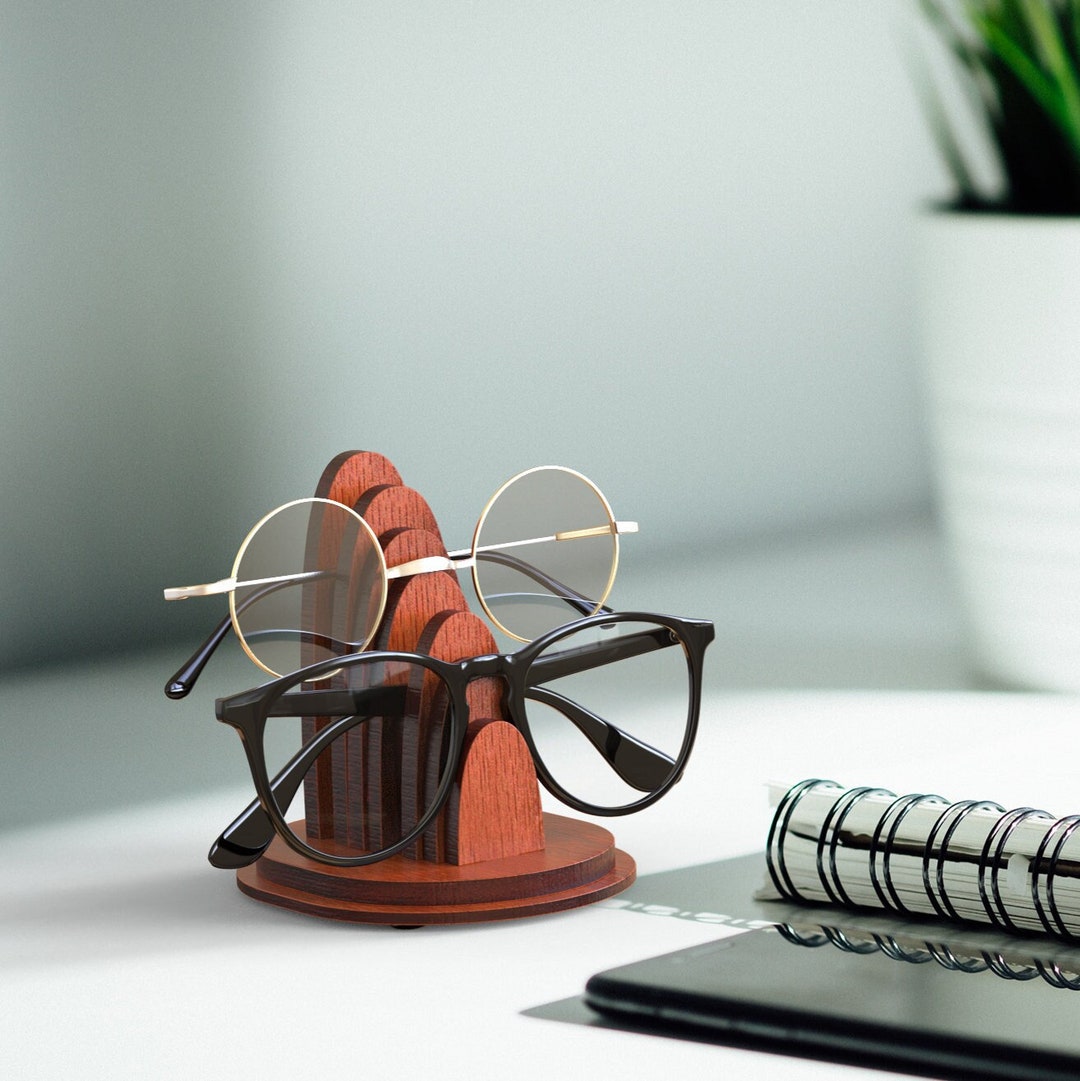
(663,241)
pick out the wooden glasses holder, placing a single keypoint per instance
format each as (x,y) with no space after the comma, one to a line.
(492,853)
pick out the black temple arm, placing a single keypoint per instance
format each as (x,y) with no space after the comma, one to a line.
(639,765)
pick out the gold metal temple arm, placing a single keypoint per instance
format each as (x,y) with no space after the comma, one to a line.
(454,561)
(467,558)
(596,531)
(225,585)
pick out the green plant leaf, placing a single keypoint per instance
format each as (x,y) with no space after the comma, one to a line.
(1048,39)
(1043,88)
(1019,64)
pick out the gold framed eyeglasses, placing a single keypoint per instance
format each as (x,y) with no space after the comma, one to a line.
(310,581)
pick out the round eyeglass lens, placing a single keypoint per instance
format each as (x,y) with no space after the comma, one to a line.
(356,761)
(608,711)
(546,550)
(311,584)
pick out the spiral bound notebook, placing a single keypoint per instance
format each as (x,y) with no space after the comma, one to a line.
(922,855)
(1062,972)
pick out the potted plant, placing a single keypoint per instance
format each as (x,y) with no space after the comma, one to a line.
(1000,308)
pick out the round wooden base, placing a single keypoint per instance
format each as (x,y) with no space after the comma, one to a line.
(578,865)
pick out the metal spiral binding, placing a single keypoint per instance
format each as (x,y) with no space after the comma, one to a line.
(949,822)
(897,811)
(1066,827)
(831,834)
(919,854)
(774,848)
(995,907)
(917,952)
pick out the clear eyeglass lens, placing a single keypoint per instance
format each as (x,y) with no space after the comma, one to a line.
(528,589)
(331,595)
(355,761)
(608,708)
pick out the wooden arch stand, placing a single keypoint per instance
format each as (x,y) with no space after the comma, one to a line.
(492,854)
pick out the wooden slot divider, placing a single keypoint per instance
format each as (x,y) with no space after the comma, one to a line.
(492,853)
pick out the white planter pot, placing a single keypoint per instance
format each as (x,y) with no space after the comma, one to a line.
(1000,303)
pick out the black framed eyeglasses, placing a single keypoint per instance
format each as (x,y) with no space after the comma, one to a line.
(310,580)
(354,757)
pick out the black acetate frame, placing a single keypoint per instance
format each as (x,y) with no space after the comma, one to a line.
(180,684)
(524,673)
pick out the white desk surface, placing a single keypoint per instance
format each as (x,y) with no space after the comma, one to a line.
(123,954)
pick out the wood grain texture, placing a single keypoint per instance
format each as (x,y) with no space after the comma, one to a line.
(390,507)
(495,810)
(403,545)
(578,865)
(352,473)
(477,822)
(347,479)
(492,854)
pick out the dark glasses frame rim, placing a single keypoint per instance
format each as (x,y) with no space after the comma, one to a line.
(182,681)
(248,711)
(477,548)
